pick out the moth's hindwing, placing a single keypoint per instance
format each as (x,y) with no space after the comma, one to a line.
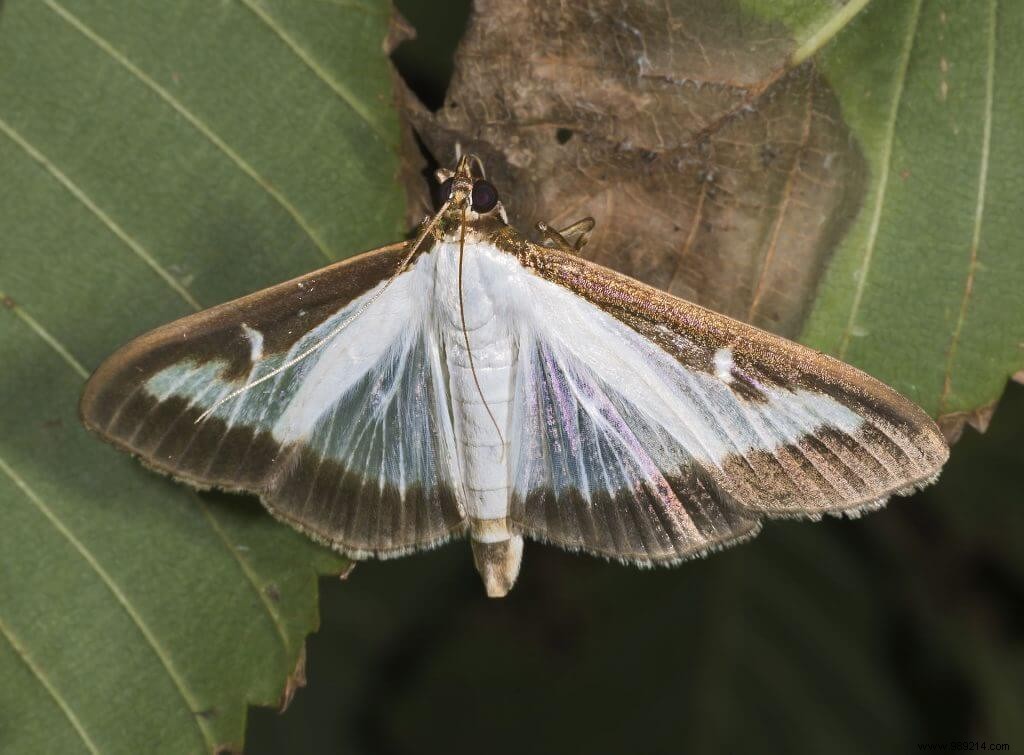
(348,445)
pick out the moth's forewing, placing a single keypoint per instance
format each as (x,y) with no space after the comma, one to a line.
(803,434)
(147,397)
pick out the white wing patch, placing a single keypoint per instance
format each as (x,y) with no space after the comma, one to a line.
(574,433)
(372,399)
(587,366)
(723,365)
(255,339)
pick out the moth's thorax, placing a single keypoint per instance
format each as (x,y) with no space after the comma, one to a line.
(486,274)
(478,228)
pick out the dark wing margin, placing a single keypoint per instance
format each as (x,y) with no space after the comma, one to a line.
(332,472)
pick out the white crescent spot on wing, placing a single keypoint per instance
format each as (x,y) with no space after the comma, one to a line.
(723,365)
(255,339)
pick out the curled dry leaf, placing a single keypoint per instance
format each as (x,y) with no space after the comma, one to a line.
(296,681)
(712,170)
(953,424)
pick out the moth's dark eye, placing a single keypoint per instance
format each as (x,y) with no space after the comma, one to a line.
(485,196)
(441,192)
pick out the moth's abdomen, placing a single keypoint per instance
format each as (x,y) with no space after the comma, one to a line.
(481,408)
(498,563)
(481,428)
(480,379)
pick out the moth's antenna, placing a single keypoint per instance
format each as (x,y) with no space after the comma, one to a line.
(470,157)
(465,333)
(355,315)
(479,164)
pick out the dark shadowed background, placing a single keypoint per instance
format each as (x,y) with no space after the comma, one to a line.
(876,635)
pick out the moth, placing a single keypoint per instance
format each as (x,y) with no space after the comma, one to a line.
(471,382)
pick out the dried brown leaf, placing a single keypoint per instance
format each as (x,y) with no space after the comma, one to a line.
(296,681)
(713,171)
(953,424)
(399,31)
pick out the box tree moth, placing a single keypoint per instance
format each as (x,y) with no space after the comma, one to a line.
(470,382)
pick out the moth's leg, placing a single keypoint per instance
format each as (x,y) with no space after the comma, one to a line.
(481,173)
(572,238)
(579,232)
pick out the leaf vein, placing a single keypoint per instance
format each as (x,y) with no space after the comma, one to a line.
(243,564)
(787,199)
(684,253)
(193,705)
(37,672)
(112,226)
(979,210)
(302,54)
(883,181)
(195,121)
(827,31)
(44,334)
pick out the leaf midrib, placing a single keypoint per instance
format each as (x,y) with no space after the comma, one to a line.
(883,181)
(979,209)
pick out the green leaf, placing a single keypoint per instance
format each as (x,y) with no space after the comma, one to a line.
(924,291)
(158,158)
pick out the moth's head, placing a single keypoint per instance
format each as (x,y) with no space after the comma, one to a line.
(467,193)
